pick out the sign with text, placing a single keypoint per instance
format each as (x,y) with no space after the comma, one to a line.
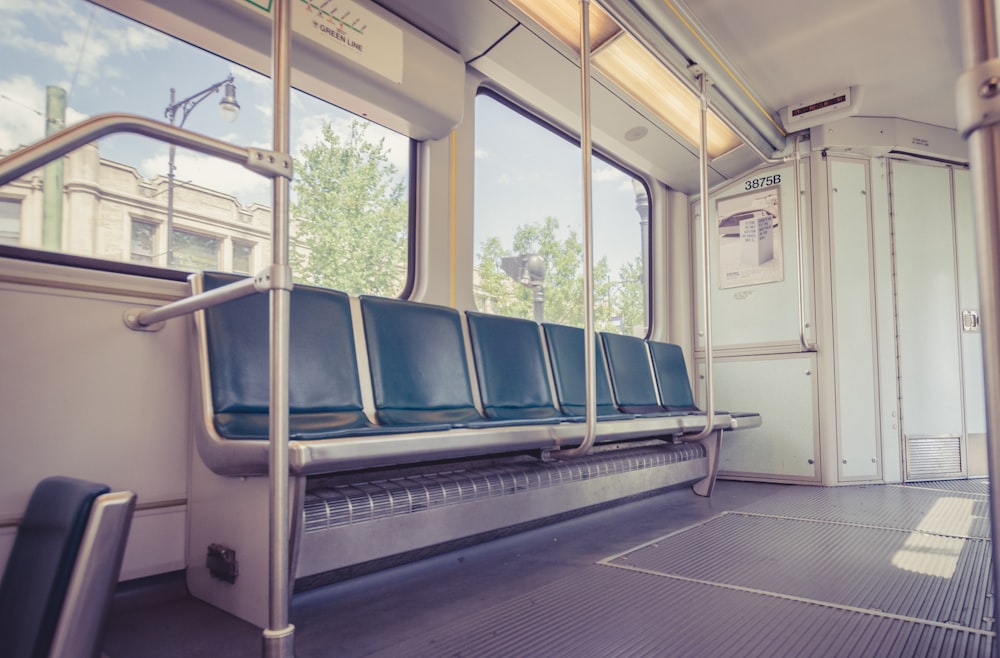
(749,239)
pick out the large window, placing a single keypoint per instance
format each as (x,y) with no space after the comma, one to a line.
(70,59)
(529,226)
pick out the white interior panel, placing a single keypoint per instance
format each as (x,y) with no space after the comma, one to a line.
(857,395)
(926,301)
(755,314)
(783,390)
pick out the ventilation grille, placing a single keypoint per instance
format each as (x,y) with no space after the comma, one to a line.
(930,457)
(330,507)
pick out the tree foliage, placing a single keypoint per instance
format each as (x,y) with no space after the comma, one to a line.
(618,301)
(349,215)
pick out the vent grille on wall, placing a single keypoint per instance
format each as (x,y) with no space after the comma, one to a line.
(934,457)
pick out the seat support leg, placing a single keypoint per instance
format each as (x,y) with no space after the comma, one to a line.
(712,443)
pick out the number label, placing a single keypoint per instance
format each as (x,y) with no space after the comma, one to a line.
(764,181)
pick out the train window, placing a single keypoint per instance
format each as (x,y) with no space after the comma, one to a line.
(529,227)
(71,60)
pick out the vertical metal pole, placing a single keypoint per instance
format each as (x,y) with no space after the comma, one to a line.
(978,21)
(52,175)
(279,636)
(706,298)
(586,147)
(171,114)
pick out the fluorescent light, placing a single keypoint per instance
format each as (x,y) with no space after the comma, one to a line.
(628,64)
(562,19)
(633,68)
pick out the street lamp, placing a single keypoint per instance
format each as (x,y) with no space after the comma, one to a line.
(230,109)
(529,271)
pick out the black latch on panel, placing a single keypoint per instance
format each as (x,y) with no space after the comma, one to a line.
(221,563)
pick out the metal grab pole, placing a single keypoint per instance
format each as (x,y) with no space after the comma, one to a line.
(978,101)
(806,345)
(586,147)
(706,271)
(279,636)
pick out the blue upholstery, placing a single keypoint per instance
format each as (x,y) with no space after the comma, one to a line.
(672,377)
(631,376)
(37,576)
(324,392)
(419,372)
(510,362)
(566,354)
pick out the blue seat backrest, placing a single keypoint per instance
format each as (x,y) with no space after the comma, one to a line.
(510,362)
(324,391)
(631,377)
(41,562)
(419,371)
(566,352)
(672,376)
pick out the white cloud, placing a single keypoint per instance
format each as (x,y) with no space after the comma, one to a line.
(482,154)
(213,174)
(606,174)
(22,118)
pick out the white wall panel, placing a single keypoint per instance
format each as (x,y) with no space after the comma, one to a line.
(853,317)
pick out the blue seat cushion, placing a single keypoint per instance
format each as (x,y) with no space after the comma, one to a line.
(566,354)
(419,371)
(41,562)
(512,373)
(323,370)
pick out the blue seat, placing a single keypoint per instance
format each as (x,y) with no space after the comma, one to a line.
(632,376)
(671,375)
(510,363)
(324,390)
(566,354)
(419,371)
(61,574)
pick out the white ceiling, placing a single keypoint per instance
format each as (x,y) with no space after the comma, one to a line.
(905,54)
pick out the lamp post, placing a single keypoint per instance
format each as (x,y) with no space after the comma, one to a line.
(529,271)
(230,110)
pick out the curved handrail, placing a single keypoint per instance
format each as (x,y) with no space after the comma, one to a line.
(58,144)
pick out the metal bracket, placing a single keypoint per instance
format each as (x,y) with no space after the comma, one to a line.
(273,277)
(131,319)
(977,97)
(269,163)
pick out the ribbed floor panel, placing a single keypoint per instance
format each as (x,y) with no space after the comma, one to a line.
(873,571)
(613,612)
(979,486)
(891,571)
(884,506)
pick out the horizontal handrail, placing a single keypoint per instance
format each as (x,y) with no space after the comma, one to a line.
(68,139)
(151,319)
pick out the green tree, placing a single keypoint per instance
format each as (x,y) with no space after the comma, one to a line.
(617,303)
(349,215)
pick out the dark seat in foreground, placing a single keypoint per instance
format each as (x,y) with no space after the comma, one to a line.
(63,568)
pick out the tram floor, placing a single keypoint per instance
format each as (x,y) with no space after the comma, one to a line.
(756,570)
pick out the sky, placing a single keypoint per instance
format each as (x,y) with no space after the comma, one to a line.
(107,63)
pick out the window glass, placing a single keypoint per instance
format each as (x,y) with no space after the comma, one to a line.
(69,59)
(529,227)
(143,236)
(10,221)
(241,257)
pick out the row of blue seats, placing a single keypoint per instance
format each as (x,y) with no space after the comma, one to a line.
(422,402)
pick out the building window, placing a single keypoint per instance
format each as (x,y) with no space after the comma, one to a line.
(10,221)
(532,267)
(193,251)
(242,252)
(143,241)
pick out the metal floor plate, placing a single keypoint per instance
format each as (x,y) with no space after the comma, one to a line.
(853,571)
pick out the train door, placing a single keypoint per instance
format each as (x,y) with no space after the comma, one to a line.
(941,393)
